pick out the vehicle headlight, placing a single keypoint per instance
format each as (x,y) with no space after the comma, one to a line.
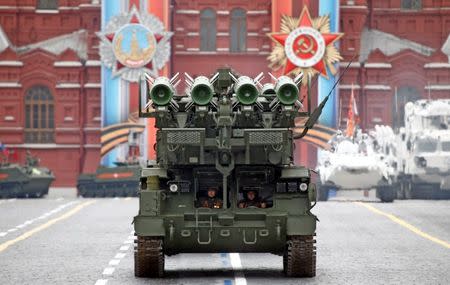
(303,186)
(173,187)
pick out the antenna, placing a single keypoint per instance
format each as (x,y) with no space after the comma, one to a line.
(318,111)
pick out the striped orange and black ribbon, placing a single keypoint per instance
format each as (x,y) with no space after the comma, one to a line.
(319,136)
(114,135)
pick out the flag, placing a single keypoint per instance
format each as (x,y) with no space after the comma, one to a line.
(352,116)
(4,151)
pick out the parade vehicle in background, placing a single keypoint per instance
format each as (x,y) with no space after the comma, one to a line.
(424,150)
(360,163)
(226,136)
(122,180)
(24,181)
(119,181)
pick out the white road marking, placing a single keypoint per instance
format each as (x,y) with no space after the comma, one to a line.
(41,217)
(114,262)
(239,278)
(108,270)
(49,223)
(124,247)
(101,282)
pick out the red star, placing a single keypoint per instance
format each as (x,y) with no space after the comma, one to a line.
(305,21)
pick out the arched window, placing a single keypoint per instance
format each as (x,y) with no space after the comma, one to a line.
(238,28)
(39,115)
(47,4)
(412,4)
(208,30)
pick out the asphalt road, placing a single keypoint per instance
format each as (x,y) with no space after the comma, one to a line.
(89,241)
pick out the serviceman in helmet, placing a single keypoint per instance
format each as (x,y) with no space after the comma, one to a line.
(211,200)
(252,200)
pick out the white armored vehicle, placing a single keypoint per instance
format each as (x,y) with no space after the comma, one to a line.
(424,150)
(359,164)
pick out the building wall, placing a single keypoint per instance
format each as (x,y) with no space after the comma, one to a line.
(187,56)
(377,77)
(73,79)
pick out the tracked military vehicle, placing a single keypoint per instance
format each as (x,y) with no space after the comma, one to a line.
(424,150)
(121,180)
(24,181)
(361,163)
(229,136)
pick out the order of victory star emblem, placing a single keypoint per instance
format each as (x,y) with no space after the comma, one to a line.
(133,43)
(305,46)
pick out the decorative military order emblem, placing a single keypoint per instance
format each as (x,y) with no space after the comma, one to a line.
(133,43)
(305,45)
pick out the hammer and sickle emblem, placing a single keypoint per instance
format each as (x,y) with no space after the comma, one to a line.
(305,45)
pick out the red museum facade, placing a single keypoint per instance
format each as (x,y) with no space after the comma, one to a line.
(50,69)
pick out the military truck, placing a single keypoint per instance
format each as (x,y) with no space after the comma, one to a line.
(24,181)
(424,150)
(226,135)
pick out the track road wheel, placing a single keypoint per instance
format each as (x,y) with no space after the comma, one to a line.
(148,257)
(299,259)
(386,194)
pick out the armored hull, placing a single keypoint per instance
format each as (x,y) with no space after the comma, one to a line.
(352,172)
(224,178)
(428,167)
(359,165)
(119,181)
(24,181)
(424,150)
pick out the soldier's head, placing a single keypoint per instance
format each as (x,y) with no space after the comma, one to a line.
(212,191)
(251,195)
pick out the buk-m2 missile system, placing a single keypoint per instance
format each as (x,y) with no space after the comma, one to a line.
(215,146)
(24,181)
(359,163)
(424,150)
